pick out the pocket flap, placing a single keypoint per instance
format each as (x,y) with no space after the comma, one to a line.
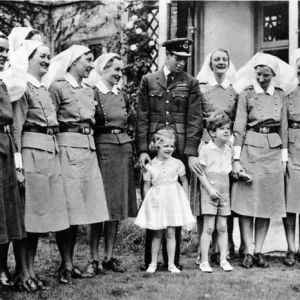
(256,139)
(180,93)
(38,141)
(292,135)
(155,93)
(180,128)
(153,127)
(274,140)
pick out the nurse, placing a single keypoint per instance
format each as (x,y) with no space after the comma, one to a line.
(260,145)
(75,108)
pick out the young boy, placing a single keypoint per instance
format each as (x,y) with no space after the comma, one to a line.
(216,156)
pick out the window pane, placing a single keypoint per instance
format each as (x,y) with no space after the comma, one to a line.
(282,54)
(276,23)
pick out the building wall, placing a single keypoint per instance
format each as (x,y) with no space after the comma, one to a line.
(229,25)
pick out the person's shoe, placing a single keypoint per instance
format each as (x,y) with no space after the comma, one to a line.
(113,265)
(29,286)
(65,276)
(93,267)
(215,258)
(241,251)
(173,269)
(5,280)
(151,268)
(248,261)
(40,284)
(260,260)
(198,259)
(226,266)
(205,267)
(289,259)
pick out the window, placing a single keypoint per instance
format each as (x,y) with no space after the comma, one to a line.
(273,29)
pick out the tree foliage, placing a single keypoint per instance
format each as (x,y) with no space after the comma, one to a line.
(57,20)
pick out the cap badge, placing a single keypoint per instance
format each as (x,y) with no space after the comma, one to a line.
(185,45)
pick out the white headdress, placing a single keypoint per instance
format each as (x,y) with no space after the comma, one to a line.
(284,73)
(17,37)
(206,72)
(99,65)
(15,76)
(60,63)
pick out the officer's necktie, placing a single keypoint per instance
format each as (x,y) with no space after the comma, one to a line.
(169,79)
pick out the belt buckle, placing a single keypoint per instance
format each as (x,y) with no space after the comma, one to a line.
(264,129)
(85,130)
(6,128)
(50,130)
(116,131)
(294,125)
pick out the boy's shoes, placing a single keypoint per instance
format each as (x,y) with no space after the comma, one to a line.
(198,259)
(215,258)
(289,259)
(226,266)
(151,268)
(173,269)
(179,267)
(248,261)
(205,267)
(261,261)
(113,264)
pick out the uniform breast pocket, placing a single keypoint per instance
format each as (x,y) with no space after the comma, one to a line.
(179,98)
(34,103)
(155,102)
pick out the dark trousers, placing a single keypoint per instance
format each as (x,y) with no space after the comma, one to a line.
(148,243)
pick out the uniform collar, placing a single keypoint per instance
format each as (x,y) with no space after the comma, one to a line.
(31,79)
(213,146)
(101,86)
(73,81)
(213,82)
(259,90)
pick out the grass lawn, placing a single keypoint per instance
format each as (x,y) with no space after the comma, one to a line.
(276,282)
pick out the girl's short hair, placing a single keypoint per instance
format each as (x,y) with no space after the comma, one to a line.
(221,50)
(217,120)
(160,136)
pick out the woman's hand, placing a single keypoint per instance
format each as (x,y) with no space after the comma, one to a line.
(20,178)
(195,165)
(236,169)
(284,167)
(214,194)
(143,160)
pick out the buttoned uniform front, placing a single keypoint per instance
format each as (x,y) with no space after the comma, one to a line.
(293,167)
(177,106)
(12,225)
(215,97)
(45,203)
(218,165)
(114,151)
(261,152)
(75,109)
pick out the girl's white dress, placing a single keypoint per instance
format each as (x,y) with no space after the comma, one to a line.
(166,203)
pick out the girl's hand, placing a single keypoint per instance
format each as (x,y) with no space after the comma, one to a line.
(236,169)
(284,167)
(214,194)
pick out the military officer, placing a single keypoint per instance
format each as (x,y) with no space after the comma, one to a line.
(170,97)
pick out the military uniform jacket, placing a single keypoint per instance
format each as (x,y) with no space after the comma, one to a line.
(177,106)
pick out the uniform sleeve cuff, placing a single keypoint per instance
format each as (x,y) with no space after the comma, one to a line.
(284,154)
(18,160)
(237,152)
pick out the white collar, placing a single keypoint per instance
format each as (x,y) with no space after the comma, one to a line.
(213,82)
(73,81)
(31,79)
(101,86)
(166,71)
(213,146)
(259,90)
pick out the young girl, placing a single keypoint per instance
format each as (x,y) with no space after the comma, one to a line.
(165,205)
(216,156)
